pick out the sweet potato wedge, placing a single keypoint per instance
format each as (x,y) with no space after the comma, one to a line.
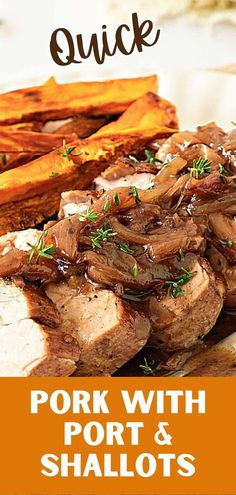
(22,126)
(18,147)
(147,112)
(31,193)
(53,101)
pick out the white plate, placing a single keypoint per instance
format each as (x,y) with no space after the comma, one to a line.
(200,96)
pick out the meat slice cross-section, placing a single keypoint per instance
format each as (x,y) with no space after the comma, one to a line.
(18,303)
(108,331)
(73,202)
(179,322)
(31,340)
(28,348)
(221,265)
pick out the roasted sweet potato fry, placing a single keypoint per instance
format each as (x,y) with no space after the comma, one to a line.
(18,147)
(147,112)
(32,191)
(23,126)
(57,101)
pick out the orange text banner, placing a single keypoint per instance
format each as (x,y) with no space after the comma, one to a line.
(118,436)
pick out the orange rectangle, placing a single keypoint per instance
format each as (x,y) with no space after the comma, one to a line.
(36,416)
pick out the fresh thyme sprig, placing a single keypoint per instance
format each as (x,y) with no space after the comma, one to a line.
(67,151)
(181,254)
(178,282)
(134,192)
(147,368)
(227,243)
(223,170)
(40,249)
(150,158)
(107,205)
(101,235)
(125,248)
(135,270)
(133,158)
(200,167)
(89,215)
(116,199)
(3,158)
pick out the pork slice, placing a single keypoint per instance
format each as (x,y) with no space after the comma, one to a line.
(222,266)
(221,256)
(14,257)
(108,331)
(224,227)
(179,322)
(19,303)
(16,262)
(73,202)
(19,240)
(217,360)
(140,180)
(28,348)
(126,166)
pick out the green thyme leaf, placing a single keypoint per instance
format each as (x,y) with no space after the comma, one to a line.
(89,215)
(222,170)
(200,167)
(147,368)
(133,158)
(177,283)
(135,270)
(125,248)
(227,243)
(134,192)
(107,205)
(101,235)
(181,255)
(40,249)
(3,158)
(116,199)
(150,158)
(67,151)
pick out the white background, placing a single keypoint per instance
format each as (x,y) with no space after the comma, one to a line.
(28,24)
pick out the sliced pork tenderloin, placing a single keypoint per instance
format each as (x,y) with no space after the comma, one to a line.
(140,180)
(219,262)
(28,348)
(215,360)
(222,252)
(20,240)
(73,202)
(178,322)
(16,262)
(224,227)
(127,172)
(108,331)
(18,303)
